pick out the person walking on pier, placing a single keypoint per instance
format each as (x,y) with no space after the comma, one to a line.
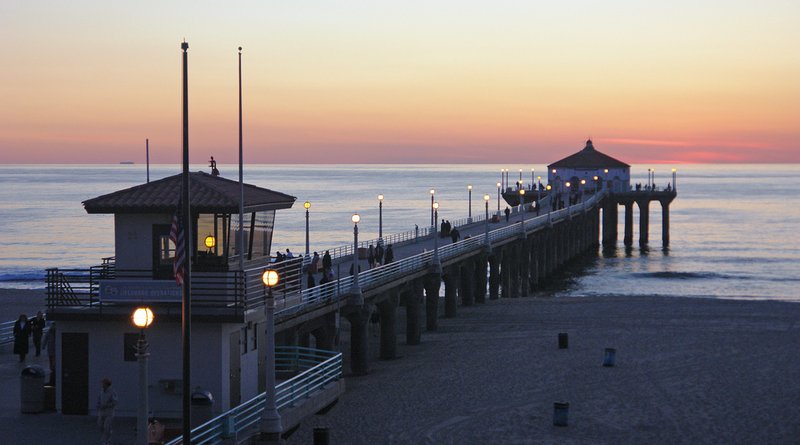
(22,330)
(371,256)
(327,263)
(37,330)
(379,254)
(106,403)
(508,213)
(389,257)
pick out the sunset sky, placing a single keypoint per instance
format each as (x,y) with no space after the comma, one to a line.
(401,81)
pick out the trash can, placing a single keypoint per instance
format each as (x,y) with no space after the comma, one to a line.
(202,406)
(32,389)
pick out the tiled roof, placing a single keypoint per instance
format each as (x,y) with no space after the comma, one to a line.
(207,194)
(588,158)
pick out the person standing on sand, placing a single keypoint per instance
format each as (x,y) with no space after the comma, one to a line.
(106,402)
(22,330)
(37,329)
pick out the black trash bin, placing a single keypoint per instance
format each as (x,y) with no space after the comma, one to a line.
(202,406)
(32,389)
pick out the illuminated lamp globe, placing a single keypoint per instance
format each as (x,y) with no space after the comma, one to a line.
(307,205)
(210,241)
(486,197)
(356,218)
(436,205)
(142,317)
(270,277)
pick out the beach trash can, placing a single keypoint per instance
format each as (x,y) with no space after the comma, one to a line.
(608,360)
(202,406)
(560,413)
(563,340)
(32,389)
(322,436)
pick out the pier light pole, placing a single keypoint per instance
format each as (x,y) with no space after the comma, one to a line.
(355,288)
(380,219)
(653,181)
(498,200)
(522,208)
(532,177)
(520,177)
(595,183)
(433,192)
(469,215)
(307,205)
(605,179)
(550,209)
(583,185)
(675,179)
(270,426)
(142,318)
(486,199)
(648,177)
(435,208)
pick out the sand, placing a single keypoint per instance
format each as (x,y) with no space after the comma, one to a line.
(686,371)
(20,301)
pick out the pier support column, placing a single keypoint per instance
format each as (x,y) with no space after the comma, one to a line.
(524,267)
(325,336)
(610,216)
(628,240)
(432,282)
(505,271)
(452,278)
(388,314)
(536,240)
(494,275)
(359,338)
(480,278)
(467,287)
(664,224)
(644,221)
(413,299)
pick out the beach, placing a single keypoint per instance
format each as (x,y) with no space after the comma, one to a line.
(687,370)
(14,302)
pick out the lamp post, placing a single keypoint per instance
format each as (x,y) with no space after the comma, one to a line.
(380,219)
(435,208)
(532,178)
(605,179)
(502,174)
(433,192)
(648,178)
(355,288)
(522,208)
(653,181)
(520,177)
(583,185)
(569,196)
(486,225)
(142,318)
(469,215)
(498,200)
(307,206)
(595,182)
(538,189)
(210,242)
(549,209)
(270,426)
(675,179)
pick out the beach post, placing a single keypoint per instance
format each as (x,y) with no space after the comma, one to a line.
(608,361)
(560,413)
(563,340)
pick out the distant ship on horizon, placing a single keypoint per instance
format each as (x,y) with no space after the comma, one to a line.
(126,162)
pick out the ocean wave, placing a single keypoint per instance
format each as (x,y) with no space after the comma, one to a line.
(21,277)
(690,276)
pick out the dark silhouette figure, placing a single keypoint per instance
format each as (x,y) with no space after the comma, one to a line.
(37,330)
(213,164)
(327,263)
(508,213)
(389,256)
(22,330)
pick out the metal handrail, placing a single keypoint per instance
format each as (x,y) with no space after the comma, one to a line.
(316,368)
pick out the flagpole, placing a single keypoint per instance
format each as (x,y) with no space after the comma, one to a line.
(241,174)
(187,278)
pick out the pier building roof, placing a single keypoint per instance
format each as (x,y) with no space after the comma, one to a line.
(588,158)
(208,194)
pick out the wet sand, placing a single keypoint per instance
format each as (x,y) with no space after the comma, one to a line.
(686,371)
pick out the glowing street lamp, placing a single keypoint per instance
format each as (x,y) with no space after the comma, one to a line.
(307,205)
(433,192)
(469,215)
(355,288)
(569,195)
(486,199)
(498,200)
(380,219)
(142,318)
(522,208)
(270,425)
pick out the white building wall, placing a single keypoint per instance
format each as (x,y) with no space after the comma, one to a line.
(133,236)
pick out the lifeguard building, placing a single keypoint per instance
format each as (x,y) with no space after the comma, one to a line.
(92,307)
(588,169)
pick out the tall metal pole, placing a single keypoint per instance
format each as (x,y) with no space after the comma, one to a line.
(187,262)
(380,219)
(435,207)
(147,157)
(141,417)
(486,224)
(433,192)
(355,289)
(675,179)
(498,200)
(307,206)
(270,426)
(240,240)
(522,208)
(469,215)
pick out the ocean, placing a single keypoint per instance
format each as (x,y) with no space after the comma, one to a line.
(733,227)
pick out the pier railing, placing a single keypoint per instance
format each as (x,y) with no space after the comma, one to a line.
(314,368)
(7,332)
(331,292)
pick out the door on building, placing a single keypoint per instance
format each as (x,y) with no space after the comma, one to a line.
(235,377)
(163,252)
(75,373)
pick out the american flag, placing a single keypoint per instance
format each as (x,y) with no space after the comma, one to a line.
(177,238)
